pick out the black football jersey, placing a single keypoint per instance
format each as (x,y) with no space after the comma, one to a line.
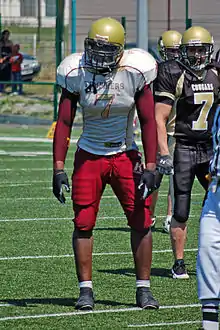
(194,100)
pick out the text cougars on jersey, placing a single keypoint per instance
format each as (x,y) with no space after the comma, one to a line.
(104,84)
(202,87)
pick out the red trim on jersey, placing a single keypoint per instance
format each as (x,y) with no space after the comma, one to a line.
(145,109)
(66,115)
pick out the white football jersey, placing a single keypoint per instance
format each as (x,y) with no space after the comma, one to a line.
(108,108)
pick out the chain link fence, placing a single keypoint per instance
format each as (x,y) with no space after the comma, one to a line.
(32,24)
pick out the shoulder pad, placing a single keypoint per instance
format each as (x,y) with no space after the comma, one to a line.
(214,64)
(68,72)
(140,61)
(170,67)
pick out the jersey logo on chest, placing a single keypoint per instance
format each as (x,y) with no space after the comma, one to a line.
(105,101)
(202,87)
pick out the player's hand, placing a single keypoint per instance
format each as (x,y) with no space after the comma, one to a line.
(150,181)
(165,165)
(60,179)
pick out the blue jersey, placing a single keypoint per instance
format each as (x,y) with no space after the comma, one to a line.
(215,162)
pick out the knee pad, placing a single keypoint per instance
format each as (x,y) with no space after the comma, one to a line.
(140,218)
(143,231)
(180,217)
(82,233)
(181,207)
(85,217)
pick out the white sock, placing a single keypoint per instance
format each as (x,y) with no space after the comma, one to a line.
(85,284)
(210,315)
(168,218)
(143,283)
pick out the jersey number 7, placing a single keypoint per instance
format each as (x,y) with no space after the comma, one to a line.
(207,100)
(106,100)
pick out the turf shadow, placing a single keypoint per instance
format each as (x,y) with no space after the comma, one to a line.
(30,302)
(125,229)
(157,272)
(33,302)
(161,272)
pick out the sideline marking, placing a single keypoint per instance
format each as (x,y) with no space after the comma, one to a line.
(101,311)
(162,324)
(64,218)
(68,197)
(33,139)
(97,254)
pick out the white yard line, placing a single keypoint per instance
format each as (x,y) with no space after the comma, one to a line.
(101,311)
(25,153)
(34,139)
(67,197)
(96,254)
(28,139)
(29,169)
(24,158)
(148,325)
(54,219)
(29,182)
(62,219)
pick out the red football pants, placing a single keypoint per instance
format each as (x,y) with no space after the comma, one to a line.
(123,172)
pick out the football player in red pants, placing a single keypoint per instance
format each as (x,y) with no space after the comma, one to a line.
(108,83)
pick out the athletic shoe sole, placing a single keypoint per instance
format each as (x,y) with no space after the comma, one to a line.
(184,276)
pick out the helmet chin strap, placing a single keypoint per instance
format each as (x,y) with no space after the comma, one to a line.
(200,78)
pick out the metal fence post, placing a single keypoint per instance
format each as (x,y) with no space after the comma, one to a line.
(55,101)
(59,29)
(123,22)
(188,21)
(73,14)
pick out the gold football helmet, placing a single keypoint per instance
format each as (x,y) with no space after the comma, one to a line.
(168,45)
(104,45)
(197,47)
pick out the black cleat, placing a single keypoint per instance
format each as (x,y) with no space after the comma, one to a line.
(145,299)
(179,270)
(86,299)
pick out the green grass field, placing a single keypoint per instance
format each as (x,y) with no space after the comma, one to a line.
(38,281)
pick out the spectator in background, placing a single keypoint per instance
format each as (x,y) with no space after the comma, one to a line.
(5,53)
(16,60)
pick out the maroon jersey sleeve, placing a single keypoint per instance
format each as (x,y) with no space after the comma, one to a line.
(146,114)
(67,110)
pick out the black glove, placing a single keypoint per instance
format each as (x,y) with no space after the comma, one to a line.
(60,178)
(150,181)
(165,165)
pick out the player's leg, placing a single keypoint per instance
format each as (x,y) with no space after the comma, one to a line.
(184,174)
(153,206)
(204,155)
(167,220)
(87,188)
(170,195)
(124,181)
(154,198)
(208,260)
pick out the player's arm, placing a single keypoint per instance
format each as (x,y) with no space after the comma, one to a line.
(162,112)
(164,97)
(67,110)
(66,115)
(146,114)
